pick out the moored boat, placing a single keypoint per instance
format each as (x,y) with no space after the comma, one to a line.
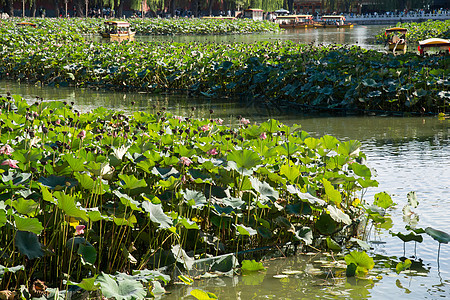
(117,30)
(295,21)
(435,44)
(333,21)
(26,24)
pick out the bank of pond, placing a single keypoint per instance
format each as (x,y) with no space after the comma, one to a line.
(330,77)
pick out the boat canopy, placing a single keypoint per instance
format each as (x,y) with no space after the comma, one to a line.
(117,23)
(434,42)
(333,17)
(396,29)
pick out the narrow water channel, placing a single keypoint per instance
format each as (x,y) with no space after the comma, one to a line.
(408,154)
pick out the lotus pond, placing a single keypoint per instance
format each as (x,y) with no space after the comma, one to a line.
(409,154)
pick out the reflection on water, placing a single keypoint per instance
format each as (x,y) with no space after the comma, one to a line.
(408,154)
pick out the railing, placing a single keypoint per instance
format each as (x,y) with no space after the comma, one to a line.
(398,17)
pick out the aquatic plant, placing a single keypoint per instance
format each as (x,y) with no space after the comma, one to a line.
(331,78)
(99,198)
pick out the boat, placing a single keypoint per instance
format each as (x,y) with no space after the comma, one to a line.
(295,21)
(219,18)
(26,24)
(333,21)
(435,44)
(118,30)
(254,14)
(396,39)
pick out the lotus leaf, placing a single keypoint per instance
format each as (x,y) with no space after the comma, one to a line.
(120,290)
(28,244)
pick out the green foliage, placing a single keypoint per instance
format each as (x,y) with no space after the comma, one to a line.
(403,265)
(136,202)
(249,266)
(361,260)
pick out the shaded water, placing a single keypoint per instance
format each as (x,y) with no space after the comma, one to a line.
(409,154)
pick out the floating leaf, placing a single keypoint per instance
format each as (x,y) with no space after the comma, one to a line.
(120,290)
(363,261)
(202,295)
(251,266)
(403,265)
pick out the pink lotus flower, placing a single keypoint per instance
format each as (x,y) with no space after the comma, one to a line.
(79,229)
(58,122)
(82,134)
(10,162)
(6,150)
(185,161)
(219,121)
(212,152)
(244,121)
(263,136)
(205,127)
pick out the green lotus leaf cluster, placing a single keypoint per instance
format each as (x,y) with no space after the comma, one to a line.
(95,193)
(333,77)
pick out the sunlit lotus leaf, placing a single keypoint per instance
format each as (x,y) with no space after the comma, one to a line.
(58,183)
(188,224)
(25,207)
(338,215)
(202,295)
(87,284)
(403,265)
(120,290)
(46,195)
(14,269)
(363,261)
(186,279)
(325,224)
(165,173)
(127,200)
(157,214)
(182,257)
(332,245)
(264,189)
(76,164)
(361,170)
(249,266)
(412,199)
(364,246)
(304,234)
(124,221)
(270,126)
(28,244)
(28,224)
(244,230)
(366,183)
(84,180)
(329,142)
(305,196)
(129,182)
(15,178)
(383,200)
(290,171)
(94,215)
(440,236)
(332,194)
(146,276)
(170,183)
(288,149)
(3,218)
(195,199)
(69,205)
(245,159)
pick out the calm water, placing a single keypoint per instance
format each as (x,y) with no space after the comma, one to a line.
(409,154)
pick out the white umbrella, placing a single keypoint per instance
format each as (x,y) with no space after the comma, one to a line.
(282,11)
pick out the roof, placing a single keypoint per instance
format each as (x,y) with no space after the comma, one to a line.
(253,9)
(434,42)
(333,17)
(396,29)
(117,23)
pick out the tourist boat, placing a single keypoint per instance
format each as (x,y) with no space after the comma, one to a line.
(117,30)
(26,24)
(333,21)
(295,21)
(253,13)
(435,44)
(396,39)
